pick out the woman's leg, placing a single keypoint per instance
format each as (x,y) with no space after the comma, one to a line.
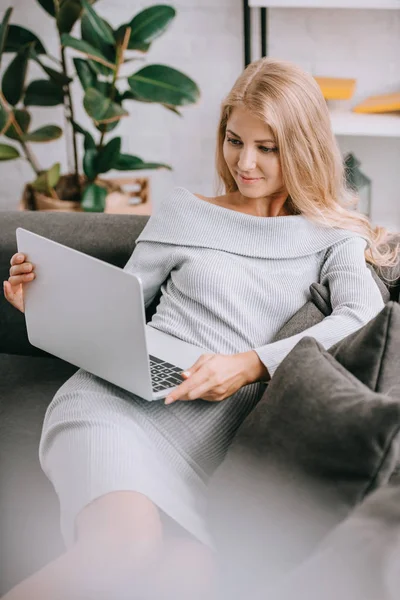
(118,535)
(120,553)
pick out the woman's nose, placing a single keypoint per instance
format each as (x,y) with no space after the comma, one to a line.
(246,160)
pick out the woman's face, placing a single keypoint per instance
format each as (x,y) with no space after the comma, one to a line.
(252,156)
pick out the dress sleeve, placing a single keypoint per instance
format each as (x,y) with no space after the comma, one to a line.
(152,262)
(355,300)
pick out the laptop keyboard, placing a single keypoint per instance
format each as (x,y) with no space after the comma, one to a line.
(163,374)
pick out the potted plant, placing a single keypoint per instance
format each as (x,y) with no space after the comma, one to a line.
(102,54)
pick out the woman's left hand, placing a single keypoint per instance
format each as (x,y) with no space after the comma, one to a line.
(215,377)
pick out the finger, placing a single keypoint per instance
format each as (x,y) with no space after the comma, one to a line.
(7,291)
(18,279)
(20,269)
(185,390)
(18,258)
(199,363)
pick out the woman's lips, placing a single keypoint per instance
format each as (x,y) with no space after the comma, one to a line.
(248,179)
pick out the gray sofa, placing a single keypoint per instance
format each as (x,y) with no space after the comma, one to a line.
(29,519)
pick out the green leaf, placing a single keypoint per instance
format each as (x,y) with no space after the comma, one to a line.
(94,198)
(84,47)
(173,109)
(89,163)
(127,162)
(100,108)
(19,36)
(56,76)
(101,69)
(120,36)
(8,152)
(86,73)
(47,179)
(162,84)
(108,155)
(100,28)
(3,118)
(48,6)
(14,77)
(4,27)
(89,141)
(41,184)
(68,14)
(47,133)
(107,127)
(23,119)
(90,36)
(149,24)
(54,174)
(43,92)
(152,166)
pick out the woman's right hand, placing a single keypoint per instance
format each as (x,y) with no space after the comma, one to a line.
(21,272)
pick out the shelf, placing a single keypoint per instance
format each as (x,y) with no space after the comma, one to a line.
(366,4)
(349,123)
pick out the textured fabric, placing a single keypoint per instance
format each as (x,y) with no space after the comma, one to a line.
(321,296)
(310,452)
(98,438)
(372,353)
(229,281)
(268,263)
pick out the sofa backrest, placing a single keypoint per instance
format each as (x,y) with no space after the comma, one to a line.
(108,237)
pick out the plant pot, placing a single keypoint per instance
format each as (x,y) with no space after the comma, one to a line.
(126,195)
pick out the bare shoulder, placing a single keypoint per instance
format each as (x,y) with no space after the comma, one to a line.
(220,200)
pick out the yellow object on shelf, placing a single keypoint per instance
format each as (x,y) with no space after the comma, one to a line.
(334,88)
(385,103)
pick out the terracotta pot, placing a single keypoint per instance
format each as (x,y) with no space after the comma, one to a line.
(126,195)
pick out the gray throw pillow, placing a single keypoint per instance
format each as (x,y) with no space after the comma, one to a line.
(316,444)
(372,353)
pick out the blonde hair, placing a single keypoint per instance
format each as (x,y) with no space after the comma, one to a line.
(290,101)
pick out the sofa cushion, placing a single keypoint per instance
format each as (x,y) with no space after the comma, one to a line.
(310,451)
(372,353)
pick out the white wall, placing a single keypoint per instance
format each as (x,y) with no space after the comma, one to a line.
(205,41)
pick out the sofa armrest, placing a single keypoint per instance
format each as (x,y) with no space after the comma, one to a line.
(108,237)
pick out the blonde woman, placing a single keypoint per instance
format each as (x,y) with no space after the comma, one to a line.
(232,270)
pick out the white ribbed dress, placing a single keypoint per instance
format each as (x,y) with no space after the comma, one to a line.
(229,282)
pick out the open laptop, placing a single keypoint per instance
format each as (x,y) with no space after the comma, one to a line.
(92,315)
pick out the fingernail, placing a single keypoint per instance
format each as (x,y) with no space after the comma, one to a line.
(19,256)
(168,400)
(186,373)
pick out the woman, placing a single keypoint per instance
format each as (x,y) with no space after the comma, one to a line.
(232,270)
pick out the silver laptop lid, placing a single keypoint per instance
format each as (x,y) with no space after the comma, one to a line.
(86,312)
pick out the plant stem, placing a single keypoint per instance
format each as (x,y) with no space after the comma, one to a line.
(29,156)
(120,57)
(69,108)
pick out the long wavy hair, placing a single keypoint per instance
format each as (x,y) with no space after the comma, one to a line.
(290,101)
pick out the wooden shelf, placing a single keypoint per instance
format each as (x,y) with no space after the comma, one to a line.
(356,124)
(364,4)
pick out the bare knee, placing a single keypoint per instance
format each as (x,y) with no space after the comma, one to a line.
(120,531)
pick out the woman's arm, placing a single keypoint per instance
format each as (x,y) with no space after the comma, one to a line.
(355,300)
(152,262)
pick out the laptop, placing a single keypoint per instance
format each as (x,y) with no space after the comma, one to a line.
(92,315)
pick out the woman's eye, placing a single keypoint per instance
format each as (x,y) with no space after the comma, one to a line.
(263,149)
(267,150)
(234,142)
